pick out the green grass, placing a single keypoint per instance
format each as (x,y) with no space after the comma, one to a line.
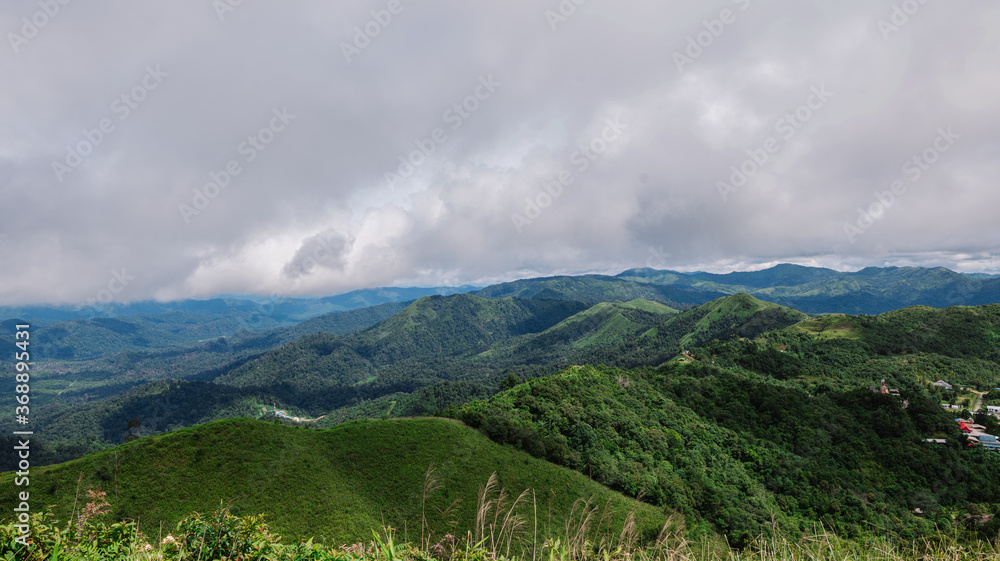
(833,326)
(337,484)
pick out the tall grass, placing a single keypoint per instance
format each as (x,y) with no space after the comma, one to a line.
(507,527)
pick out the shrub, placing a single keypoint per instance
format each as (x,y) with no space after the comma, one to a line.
(223,535)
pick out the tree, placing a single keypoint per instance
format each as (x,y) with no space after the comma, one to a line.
(510,381)
(134,425)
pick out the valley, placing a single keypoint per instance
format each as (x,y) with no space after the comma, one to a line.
(733,417)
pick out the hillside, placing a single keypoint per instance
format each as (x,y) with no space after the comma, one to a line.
(337,484)
(74,381)
(438,351)
(739,452)
(907,347)
(740,315)
(416,347)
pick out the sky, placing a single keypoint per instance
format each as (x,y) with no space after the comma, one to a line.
(184,149)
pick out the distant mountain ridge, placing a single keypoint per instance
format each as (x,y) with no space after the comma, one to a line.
(279,310)
(815,290)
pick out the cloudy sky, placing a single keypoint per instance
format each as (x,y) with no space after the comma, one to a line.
(198,147)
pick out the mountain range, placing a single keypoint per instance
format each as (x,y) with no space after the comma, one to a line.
(688,390)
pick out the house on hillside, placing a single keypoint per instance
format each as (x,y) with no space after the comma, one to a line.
(942,384)
(989,442)
(995,409)
(884,389)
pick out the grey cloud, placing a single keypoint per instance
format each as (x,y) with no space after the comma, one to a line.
(451,220)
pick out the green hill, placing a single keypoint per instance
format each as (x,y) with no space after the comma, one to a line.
(603,325)
(413,349)
(741,452)
(740,315)
(337,484)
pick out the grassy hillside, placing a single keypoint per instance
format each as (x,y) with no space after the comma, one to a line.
(740,315)
(603,325)
(908,347)
(338,484)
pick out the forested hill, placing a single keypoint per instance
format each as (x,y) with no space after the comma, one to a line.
(81,333)
(742,452)
(872,290)
(767,416)
(740,315)
(786,418)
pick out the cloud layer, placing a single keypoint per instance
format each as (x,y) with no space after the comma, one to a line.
(200,148)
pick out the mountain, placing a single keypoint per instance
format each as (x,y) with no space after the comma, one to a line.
(779,275)
(335,484)
(597,288)
(743,452)
(872,290)
(740,315)
(435,352)
(414,348)
(112,373)
(281,310)
(82,333)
